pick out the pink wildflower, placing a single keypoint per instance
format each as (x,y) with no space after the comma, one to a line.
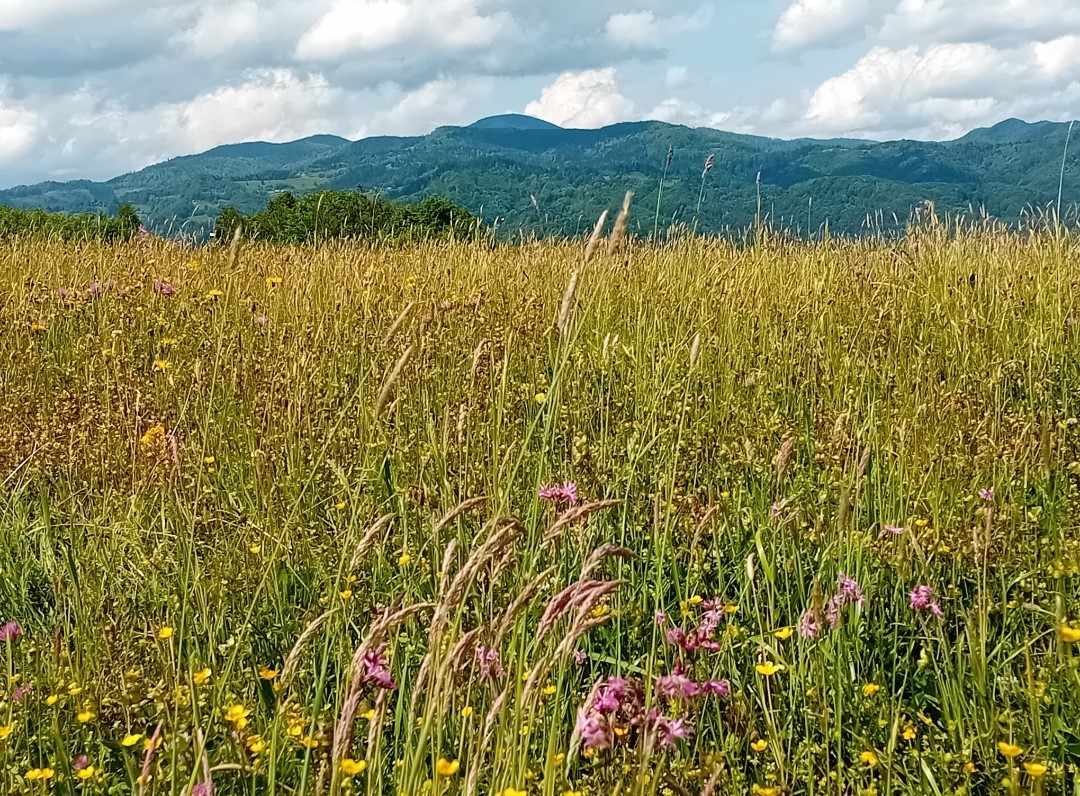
(594,729)
(567,493)
(809,627)
(895,530)
(163,287)
(668,731)
(987,494)
(10,631)
(377,671)
(490,666)
(677,685)
(720,688)
(922,599)
(94,288)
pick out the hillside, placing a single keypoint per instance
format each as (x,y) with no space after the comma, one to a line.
(530,176)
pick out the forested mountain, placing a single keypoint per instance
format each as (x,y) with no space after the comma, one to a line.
(526,175)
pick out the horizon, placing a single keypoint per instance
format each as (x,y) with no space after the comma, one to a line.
(81,97)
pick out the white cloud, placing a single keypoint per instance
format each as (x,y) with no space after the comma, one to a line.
(18,128)
(944,90)
(1005,22)
(221,29)
(817,23)
(677,77)
(582,99)
(373,25)
(440,102)
(646,29)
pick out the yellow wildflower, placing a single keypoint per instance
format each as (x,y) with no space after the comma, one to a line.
(74,689)
(540,397)
(549,690)
(5,731)
(256,549)
(868,757)
(202,676)
(761,790)
(969,767)
(40,773)
(273,281)
(696,600)
(215,294)
(1070,634)
(52,699)
(447,768)
(309,743)
(153,435)
(870,689)
(256,744)
(759,745)
(1009,750)
(404,559)
(511,792)
(345,594)
(84,717)
(340,505)
(162,365)
(466,711)
(131,739)
(85,772)
(266,673)
(1035,770)
(165,632)
(768,668)
(368,715)
(784,633)
(237,715)
(350,767)
(909,733)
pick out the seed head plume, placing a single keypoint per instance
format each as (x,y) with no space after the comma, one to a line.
(622,222)
(388,386)
(597,234)
(569,517)
(401,319)
(567,303)
(371,537)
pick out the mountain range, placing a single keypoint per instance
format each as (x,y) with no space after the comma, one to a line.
(528,176)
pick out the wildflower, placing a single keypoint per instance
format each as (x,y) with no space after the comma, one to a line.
(237,715)
(94,288)
(761,790)
(768,668)
(85,772)
(670,730)
(677,684)
(1009,750)
(162,365)
(580,656)
(376,670)
(214,295)
(720,688)
(466,711)
(40,773)
(511,792)
(203,789)
(759,745)
(922,522)
(63,293)
(255,549)
(202,676)
(273,281)
(165,632)
(987,494)
(869,758)
(593,729)
(350,767)
(169,342)
(266,673)
(809,626)
(309,743)
(340,505)
(784,633)
(1035,770)
(6,730)
(163,287)
(153,435)
(969,767)
(567,493)
(74,689)
(895,530)
(152,743)
(131,739)
(52,699)
(922,599)
(345,594)
(870,689)
(447,768)
(260,320)
(1070,634)
(909,733)
(540,397)
(84,717)
(488,659)
(404,559)
(549,690)
(9,631)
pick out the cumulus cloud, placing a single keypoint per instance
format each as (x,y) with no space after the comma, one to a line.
(28,15)
(648,29)
(818,23)
(220,30)
(591,98)
(440,102)
(17,130)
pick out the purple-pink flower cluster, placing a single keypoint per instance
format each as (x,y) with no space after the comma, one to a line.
(9,631)
(701,637)
(848,592)
(377,670)
(922,601)
(488,661)
(164,288)
(565,494)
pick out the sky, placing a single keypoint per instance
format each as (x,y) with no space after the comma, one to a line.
(95,88)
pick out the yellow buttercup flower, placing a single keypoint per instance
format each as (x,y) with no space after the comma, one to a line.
(162,365)
(40,773)
(1070,634)
(131,739)
(969,767)
(165,632)
(549,690)
(202,676)
(869,758)
(759,745)
(86,772)
(768,668)
(237,715)
(52,699)
(1009,750)
(350,767)
(256,744)
(368,715)
(466,711)
(761,790)
(784,633)
(1035,770)
(345,594)
(447,768)
(266,673)
(84,717)
(404,559)
(540,397)
(5,731)
(870,689)
(909,733)
(511,792)
(214,295)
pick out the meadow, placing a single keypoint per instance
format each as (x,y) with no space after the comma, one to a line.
(451,518)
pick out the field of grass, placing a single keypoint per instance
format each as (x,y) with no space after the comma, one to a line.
(702,519)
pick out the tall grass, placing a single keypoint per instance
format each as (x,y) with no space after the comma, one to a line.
(272,519)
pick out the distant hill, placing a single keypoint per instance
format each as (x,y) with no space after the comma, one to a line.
(532,177)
